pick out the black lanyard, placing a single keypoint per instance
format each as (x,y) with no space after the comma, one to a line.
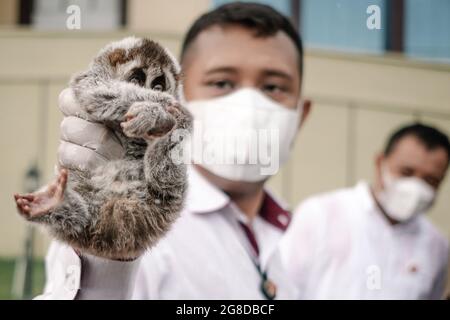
(267,287)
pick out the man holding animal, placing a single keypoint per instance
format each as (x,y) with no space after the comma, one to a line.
(242,66)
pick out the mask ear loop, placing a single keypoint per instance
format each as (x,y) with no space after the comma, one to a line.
(298,114)
(299,110)
(386,175)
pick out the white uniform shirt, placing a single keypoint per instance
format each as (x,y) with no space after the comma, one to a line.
(206,254)
(340,246)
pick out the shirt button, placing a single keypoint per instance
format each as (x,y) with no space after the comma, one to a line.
(283,219)
(413,269)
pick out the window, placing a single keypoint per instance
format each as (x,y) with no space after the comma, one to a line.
(341,25)
(418,28)
(427,29)
(94,14)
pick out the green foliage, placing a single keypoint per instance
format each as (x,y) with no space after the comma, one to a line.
(7,274)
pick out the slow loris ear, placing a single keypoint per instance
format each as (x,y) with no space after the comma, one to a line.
(179,77)
(117,56)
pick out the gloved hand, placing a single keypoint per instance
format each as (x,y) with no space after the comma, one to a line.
(84,145)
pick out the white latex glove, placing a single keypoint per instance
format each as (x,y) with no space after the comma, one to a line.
(84,145)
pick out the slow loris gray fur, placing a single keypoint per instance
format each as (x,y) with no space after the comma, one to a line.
(125,206)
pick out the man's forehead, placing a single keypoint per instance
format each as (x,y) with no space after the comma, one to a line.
(412,151)
(239,45)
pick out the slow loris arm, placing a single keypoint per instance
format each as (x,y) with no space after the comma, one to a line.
(107,100)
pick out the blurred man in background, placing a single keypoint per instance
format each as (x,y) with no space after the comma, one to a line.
(374,241)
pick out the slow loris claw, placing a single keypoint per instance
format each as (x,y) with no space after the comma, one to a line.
(38,204)
(147,120)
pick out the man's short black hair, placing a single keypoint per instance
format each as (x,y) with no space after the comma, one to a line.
(431,137)
(264,20)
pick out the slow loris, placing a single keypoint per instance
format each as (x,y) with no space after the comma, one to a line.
(125,206)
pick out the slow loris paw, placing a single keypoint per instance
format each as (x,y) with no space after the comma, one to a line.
(147,120)
(181,115)
(35,205)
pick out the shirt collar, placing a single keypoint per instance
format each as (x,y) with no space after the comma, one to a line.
(204,197)
(274,213)
(365,196)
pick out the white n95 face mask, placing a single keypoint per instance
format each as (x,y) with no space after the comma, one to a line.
(243,136)
(404,198)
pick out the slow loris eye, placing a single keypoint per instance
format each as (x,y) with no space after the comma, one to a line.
(159,83)
(138,77)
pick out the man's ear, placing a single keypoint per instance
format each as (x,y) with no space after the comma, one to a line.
(307,105)
(379,158)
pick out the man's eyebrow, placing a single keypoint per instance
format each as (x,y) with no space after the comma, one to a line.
(265,72)
(278,73)
(221,69)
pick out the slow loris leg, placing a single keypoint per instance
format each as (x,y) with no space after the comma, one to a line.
(136,217)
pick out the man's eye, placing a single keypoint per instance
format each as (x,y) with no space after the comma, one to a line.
(273,88)
(406,172)
(159,83)
(138,77)
(222,84)
(432,181)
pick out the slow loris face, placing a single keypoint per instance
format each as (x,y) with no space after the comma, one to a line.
(142,62)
